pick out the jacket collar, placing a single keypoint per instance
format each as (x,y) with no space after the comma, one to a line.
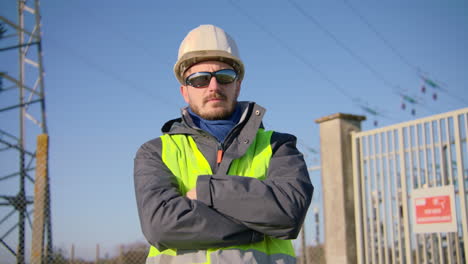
(185,125)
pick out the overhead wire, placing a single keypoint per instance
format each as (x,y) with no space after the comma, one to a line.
(342,45)
(398,54)
(290,50)
(300,57)
(117,32)
(379,35)
(396,89)
(117,77)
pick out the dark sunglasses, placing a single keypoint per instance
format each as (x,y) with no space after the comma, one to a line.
(202,79)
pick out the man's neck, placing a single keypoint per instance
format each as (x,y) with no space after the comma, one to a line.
(217,128)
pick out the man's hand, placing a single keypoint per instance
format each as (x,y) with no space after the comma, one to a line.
(192,194)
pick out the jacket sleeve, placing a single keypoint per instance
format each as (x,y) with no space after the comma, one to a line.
(170,220)
(275,206)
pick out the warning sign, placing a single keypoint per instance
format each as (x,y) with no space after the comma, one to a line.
(434,210)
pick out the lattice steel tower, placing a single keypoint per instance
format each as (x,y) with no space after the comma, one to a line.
(25,222)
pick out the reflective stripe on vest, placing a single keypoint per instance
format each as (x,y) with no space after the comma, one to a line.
(222,257)
(190,163)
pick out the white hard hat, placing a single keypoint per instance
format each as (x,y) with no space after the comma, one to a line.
(207,42)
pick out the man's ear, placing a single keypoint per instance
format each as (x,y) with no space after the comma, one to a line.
(184,92)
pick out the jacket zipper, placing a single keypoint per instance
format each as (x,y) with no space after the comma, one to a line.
(219,155)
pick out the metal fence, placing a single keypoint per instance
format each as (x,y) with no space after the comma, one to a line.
(136,253)
(391,167)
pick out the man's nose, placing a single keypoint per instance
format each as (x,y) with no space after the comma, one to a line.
(214,85)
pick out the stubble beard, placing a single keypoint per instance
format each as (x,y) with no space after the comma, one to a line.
(222,113)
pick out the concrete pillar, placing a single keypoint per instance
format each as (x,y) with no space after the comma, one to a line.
(337,184)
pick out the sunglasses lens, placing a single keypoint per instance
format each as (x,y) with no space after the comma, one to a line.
(225,76)
(199,79)
(202,79)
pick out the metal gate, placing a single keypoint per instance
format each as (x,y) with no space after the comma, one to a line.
(391,165)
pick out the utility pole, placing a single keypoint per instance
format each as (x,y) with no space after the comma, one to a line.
(97,254)
(23,128)
(317,226)
(304,257)
(72,254)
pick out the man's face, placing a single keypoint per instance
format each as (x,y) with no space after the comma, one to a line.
(216,101)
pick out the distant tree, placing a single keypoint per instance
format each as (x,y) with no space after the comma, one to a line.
(135,253)
(58,257)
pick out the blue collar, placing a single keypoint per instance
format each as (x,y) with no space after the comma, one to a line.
(218,128)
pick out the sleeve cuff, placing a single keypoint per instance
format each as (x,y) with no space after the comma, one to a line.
(204,190)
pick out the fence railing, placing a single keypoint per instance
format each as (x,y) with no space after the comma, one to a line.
(392,166)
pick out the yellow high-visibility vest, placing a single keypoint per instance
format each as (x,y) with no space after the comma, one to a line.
(182,156)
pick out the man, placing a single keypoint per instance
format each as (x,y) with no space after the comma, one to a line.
(216,187)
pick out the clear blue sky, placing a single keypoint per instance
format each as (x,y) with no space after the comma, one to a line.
(110,85)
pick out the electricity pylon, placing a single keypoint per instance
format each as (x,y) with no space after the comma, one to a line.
(24,186)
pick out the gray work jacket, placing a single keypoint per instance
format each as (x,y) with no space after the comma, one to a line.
(229,210)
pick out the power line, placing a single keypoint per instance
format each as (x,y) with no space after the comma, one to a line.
(342,45)
(291,50)
(396,89)
(395,51)
(117,77)
(116,31)
(301,143)
(297,55)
